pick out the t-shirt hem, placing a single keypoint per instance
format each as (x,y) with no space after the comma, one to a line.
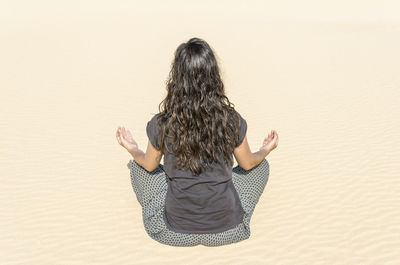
(202,232)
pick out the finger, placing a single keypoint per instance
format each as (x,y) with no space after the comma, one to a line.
(123,132)
(130,135)
(121,138)
(122,135)
(118,139)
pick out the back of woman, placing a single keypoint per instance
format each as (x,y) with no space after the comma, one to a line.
(197,197)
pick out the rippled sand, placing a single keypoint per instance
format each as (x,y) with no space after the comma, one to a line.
(73,72)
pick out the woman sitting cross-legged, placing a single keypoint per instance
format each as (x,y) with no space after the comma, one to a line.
(195,196)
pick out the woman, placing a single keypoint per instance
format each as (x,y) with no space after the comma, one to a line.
(196,197)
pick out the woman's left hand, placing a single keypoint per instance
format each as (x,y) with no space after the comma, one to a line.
(124,138)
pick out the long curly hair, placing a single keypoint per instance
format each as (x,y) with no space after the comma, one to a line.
(196,117)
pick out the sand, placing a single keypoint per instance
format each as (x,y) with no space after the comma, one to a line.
(324,76)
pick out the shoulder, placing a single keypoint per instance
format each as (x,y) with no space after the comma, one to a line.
(242,120)
(153,120)
(152,131)
(242,129)
(152,125)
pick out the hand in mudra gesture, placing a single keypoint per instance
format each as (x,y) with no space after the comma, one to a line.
(125,139)
(270,142)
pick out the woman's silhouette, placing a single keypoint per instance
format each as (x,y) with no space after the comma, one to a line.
(196,197)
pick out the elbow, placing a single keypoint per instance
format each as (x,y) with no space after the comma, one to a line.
(150,169)
(250,165)
(247,166)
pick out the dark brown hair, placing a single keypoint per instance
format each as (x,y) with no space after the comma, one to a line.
(196,116)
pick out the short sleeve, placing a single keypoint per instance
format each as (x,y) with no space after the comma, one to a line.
(152,131)
(242,130)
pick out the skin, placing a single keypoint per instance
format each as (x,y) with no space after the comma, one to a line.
(151,159)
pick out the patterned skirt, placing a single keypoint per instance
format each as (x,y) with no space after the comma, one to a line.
(151,189)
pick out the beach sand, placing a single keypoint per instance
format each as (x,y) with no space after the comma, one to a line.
(326,78)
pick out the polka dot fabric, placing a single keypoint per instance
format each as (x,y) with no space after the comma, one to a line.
(151,190)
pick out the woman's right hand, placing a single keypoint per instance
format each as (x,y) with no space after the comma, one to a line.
(270,142)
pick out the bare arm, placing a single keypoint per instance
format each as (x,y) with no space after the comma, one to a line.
(149,160)
(247,159)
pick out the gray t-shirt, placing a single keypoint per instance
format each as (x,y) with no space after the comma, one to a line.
(206,203)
